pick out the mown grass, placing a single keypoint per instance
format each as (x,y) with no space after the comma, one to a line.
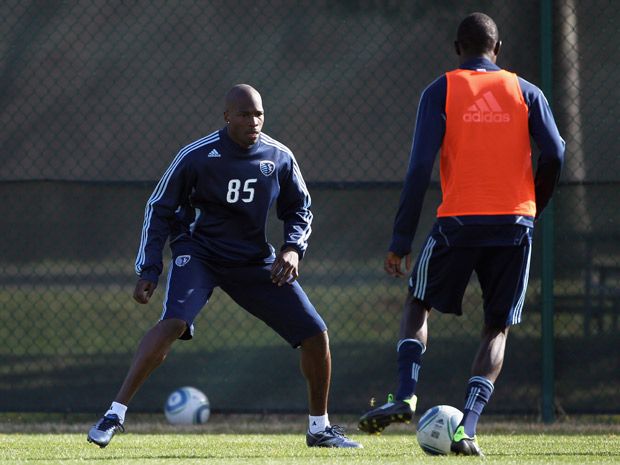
(290,449)
(279,439)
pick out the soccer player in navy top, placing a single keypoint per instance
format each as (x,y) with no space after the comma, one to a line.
(211,204)
(481,118)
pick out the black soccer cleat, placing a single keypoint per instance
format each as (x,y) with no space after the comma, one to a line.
(102,432)
(464,445)
(332,436)
(394,411)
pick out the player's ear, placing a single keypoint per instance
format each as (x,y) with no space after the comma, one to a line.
(457,47)
(226,117)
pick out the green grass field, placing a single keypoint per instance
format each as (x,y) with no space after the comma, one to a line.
(290,449)
(235,440)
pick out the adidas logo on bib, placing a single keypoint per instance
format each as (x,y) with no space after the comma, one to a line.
(486,110)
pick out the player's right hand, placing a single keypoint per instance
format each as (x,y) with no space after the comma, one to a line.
(392,264)
(285,268)
(143,291)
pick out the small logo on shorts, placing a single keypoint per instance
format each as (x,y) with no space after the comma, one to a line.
(182,260)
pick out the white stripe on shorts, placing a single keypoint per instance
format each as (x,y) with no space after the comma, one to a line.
(518,308)
(422,270)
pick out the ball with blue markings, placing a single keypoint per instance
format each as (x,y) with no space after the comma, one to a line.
(187,406)
(436,429)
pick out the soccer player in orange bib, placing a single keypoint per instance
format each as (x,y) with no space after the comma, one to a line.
(480,118)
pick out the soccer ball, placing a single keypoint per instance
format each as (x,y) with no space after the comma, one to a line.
(187,406)
(436,429)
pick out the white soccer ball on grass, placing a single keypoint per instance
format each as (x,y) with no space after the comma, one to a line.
(436,429)
(187,406)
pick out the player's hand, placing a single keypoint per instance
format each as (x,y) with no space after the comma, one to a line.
(392,264)
(143,291)
(285,269)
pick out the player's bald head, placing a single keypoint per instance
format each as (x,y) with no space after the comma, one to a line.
(477,34)
(240,95)
(244,114)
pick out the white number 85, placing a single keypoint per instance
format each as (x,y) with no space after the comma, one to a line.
(233,193)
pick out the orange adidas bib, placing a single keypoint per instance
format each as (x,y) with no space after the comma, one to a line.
(485,163)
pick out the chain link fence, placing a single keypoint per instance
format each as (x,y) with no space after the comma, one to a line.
(97,97)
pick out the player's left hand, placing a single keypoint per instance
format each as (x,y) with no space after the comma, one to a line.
(285,268)
(393,264)
(143,291)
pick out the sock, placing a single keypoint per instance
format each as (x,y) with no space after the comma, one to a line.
(409,362)
(479,390)
(318,424)
(119,410)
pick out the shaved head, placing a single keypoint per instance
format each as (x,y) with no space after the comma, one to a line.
(477,35)
(238,94)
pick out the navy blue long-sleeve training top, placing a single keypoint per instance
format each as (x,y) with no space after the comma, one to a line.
(213,202)
(427,140)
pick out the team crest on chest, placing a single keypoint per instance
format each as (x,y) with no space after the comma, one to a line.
(267,167)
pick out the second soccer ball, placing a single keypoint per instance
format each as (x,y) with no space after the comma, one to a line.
(187,406)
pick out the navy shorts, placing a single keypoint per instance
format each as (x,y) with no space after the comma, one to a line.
(286,309)
(441,274)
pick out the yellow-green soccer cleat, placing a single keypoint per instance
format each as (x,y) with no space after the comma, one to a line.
(464,445)
(394,411)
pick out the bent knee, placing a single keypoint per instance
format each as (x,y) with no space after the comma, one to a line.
(493,330)
(172,327)
(318,342)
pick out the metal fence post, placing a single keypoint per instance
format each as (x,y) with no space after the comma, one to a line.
(547,272)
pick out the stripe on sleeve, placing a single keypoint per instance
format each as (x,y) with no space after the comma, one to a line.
(159,190)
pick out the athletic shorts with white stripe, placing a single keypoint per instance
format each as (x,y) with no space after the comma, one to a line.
(442,272)
(286,309)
